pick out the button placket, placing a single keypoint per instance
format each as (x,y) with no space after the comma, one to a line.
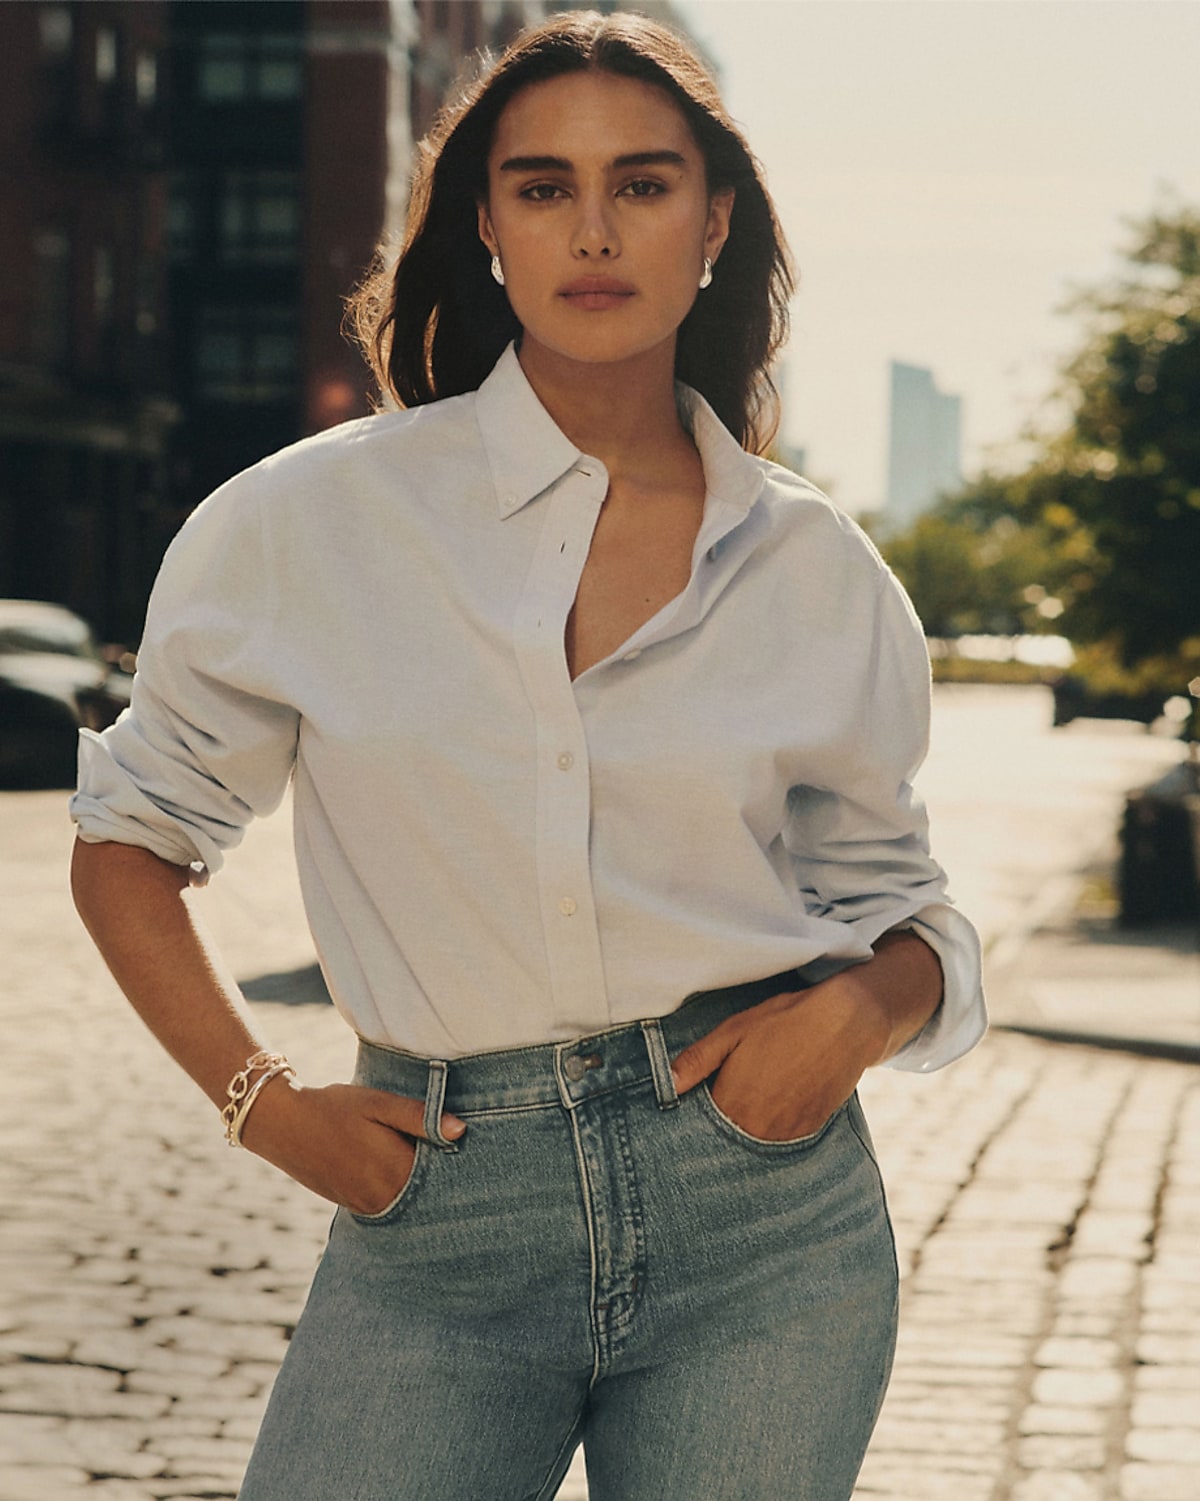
(563,793)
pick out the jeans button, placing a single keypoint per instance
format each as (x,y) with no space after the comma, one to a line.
(574,1067)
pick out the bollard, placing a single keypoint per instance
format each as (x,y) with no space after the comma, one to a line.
(1157,875)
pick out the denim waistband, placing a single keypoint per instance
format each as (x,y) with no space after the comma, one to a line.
(562,1073)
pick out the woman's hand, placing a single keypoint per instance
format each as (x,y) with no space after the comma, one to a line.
(347,1143)
(783,1067)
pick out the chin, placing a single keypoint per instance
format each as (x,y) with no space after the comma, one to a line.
(602,346)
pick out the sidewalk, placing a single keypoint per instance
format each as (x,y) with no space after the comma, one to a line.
(1081,978)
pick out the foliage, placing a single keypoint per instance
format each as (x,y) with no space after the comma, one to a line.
(1100,538)
(975,670)
(986,561)
(1129,467)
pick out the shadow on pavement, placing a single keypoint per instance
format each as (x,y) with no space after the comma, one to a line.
(294,987)
(1087,979)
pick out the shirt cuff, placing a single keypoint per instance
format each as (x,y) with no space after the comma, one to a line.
(110,807)
(961,1019)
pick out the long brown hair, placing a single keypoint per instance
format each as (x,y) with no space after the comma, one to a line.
(435,323)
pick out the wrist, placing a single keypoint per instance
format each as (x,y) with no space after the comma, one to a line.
(872,1021)
(273,1119)
(903,983)
(260,1070)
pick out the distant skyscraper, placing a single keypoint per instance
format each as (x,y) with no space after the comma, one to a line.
(925,444)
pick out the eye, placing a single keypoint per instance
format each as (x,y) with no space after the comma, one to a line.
(542,192)
(644,187)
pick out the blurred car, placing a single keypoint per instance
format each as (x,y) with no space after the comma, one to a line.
(53,679)
(1074,699)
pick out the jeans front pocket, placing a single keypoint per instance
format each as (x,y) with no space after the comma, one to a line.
(392,1211)
(730,1128)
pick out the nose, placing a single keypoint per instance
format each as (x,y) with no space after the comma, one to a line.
(595,231)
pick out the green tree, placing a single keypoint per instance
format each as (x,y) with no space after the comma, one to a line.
(1100,537)
(936,561)
(1128,467)
(986,560)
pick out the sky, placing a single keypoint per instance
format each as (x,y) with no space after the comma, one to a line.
(947,172)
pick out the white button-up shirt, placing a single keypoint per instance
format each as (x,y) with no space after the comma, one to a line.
(492,855)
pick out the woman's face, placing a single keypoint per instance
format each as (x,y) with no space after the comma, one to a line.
(600,213)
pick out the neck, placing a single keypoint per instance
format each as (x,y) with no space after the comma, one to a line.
(623,413)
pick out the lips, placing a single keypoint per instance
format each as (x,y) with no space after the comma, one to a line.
(596,292)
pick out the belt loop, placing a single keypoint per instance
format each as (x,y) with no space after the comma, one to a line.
(435,1104)
(660,1064)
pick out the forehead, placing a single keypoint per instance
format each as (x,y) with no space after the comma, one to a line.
(590,116)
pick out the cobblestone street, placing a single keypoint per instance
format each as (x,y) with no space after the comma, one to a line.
(1046,1200)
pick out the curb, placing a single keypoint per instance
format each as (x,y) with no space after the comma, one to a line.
(1141,1047)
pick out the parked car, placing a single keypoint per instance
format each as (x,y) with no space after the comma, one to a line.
(1074,699)
(53,679)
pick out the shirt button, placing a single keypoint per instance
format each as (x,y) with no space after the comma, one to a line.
(632,656)
(565,760)
(567,906)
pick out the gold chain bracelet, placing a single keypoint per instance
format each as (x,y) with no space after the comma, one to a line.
(242,1092)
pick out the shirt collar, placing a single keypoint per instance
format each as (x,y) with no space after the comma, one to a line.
(732,477)
(527,451)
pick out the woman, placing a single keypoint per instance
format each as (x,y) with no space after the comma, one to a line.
(602,731)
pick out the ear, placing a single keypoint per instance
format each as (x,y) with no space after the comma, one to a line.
(720,211)
(486,233)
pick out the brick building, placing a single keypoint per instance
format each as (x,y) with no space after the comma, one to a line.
(85,406)
(188,191)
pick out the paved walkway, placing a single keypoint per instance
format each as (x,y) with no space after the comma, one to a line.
(1046,1200)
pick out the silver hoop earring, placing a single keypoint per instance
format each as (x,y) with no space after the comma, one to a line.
(497,270)
(706,277)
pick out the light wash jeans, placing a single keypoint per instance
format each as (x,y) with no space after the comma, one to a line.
(597,1261)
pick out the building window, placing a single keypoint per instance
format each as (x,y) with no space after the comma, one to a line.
(145,317)
(249,69)
(145,79)
(278,76)
(223,69)
(52,306)
(106,54)
(260,217)
(247,354)
(54,28)
(104,283)
(181,221)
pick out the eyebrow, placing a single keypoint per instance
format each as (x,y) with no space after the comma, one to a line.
(561,164)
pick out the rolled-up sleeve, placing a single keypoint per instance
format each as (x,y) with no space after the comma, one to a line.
(208,741)
(860,845)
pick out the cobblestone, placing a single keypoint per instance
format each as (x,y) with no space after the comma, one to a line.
(1057,1485)
(1166,1482)
(1042,1419)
